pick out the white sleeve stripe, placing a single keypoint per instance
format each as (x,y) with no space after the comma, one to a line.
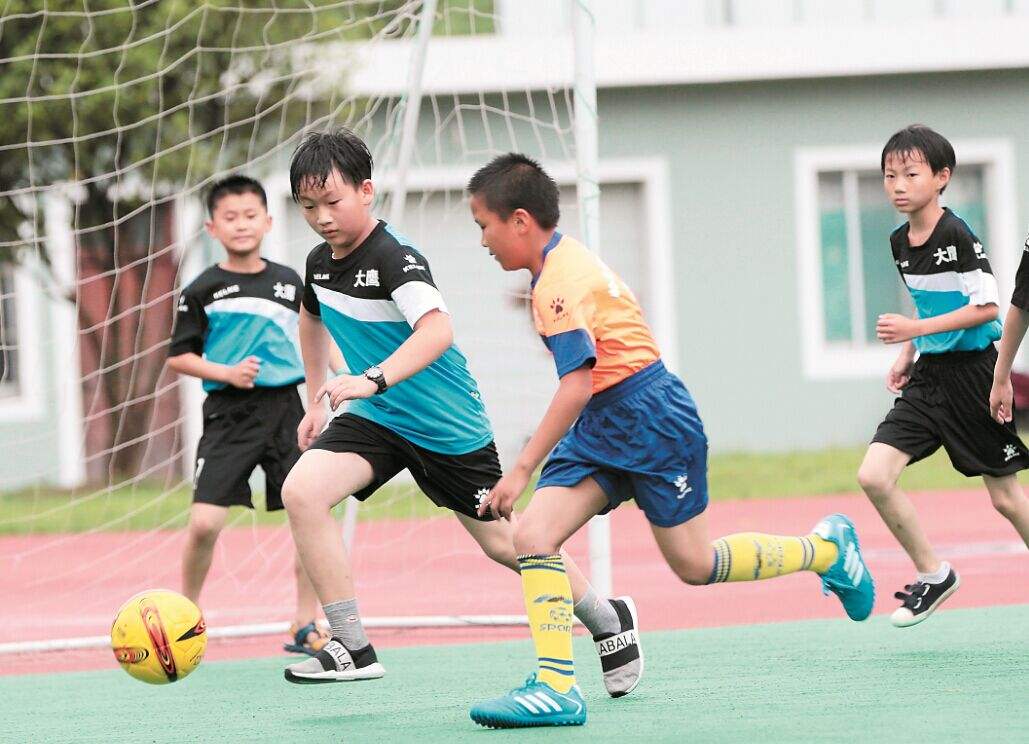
(414,299)
(980,287)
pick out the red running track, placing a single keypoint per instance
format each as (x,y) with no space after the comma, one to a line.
(59,586)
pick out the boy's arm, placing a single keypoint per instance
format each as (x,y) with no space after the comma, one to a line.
(336,361)
(892,328)
(573,393)
(240,375)
(433,334)
(900,373)
(314,350)
(1002,394)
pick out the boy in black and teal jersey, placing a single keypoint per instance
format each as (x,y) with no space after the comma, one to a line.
(944,394)
(413,405)
(236,329)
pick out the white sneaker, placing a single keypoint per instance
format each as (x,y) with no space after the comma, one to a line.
(621,655)
(336,663)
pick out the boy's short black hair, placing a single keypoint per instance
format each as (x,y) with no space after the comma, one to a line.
(234,184)
(921,140)
(514,181)
(321,152)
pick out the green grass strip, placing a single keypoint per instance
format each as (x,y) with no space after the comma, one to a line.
(959,677)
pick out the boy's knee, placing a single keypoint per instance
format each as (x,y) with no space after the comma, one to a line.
(691,572)
(292,495)
(203,531)
(502,552)
(874,481)
(1008,503)
(530,540)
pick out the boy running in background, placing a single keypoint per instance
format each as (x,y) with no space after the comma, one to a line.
(944,395)
(620,427)
(1002,407)
(414,405)
(236,330)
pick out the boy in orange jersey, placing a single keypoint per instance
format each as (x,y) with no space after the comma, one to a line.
(621,426)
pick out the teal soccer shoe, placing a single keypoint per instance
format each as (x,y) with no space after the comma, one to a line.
(848,578)
(534,704)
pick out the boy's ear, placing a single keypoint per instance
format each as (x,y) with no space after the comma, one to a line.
(209,226)
(521,219)
(367,190)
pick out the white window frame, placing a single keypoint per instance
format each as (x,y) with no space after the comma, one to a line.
(27,403)
(829,361)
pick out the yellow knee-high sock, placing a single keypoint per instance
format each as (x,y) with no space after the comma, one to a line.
(751,556)
(548,601)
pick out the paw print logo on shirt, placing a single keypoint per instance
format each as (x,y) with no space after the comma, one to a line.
(482,495)
(557,305)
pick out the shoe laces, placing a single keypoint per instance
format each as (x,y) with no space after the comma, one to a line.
(530,681)
(912,594)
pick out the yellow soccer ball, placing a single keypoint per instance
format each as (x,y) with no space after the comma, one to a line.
(159,636)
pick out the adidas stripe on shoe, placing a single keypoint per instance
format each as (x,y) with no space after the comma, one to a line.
(335,663)
(848,578)
(533,704)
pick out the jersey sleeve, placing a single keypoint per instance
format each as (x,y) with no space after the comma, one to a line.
(407,279)
(309,298)
(190,326)
(565,319)
(1020,297)
(977,280)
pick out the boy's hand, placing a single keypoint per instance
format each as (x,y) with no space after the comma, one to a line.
(346,387)
(899,375)
(892,328)
(1001,399)
(311,426)
(504,494)
(242,375)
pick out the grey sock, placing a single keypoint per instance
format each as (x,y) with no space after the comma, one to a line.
(346,623)
(597,614)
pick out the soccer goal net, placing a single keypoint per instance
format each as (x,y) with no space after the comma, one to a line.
(116,117)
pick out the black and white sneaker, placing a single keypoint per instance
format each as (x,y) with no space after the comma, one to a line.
(921,599)
(621,656)
(335,663)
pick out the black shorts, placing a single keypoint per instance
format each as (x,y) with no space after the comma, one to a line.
(947,402)
(455,482)
(244,429)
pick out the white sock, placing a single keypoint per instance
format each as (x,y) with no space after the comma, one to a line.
(938,576)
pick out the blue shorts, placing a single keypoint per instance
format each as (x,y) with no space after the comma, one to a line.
(641,439)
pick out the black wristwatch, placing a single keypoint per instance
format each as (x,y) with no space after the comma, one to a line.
(375,375)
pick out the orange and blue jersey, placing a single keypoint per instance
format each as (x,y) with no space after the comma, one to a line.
(640,436)
(587,315)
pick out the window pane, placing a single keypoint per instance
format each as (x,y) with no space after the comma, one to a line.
(833,232)
(884,290)
(966,196)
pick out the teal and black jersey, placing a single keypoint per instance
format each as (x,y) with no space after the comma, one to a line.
(1020,297)
(946,273)
(370,301)
(226,317)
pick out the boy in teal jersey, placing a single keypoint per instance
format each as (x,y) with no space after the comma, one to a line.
(412,405)
(236,330)
(944,395)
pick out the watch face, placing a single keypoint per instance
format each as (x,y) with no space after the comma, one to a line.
(373,372)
